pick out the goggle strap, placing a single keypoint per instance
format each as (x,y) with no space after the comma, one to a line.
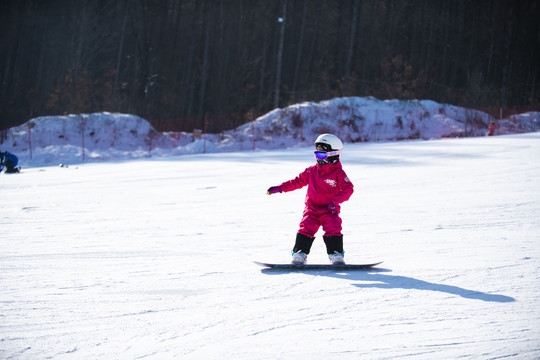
(334,153)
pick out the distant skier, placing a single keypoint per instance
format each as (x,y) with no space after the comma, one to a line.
(492,127)
(9,161)
(328,186)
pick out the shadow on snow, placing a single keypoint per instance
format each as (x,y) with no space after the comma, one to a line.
(377,279)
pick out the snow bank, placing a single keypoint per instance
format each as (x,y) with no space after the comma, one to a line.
(104,136)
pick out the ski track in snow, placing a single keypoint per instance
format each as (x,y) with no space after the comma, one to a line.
(153,258)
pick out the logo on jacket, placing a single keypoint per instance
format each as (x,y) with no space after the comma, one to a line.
(331,182)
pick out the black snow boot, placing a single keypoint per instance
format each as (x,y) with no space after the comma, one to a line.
(303,243)
(333,244)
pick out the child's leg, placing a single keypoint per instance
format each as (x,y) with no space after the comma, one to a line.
(306,234)
(333,244)
(333,238)
(309,225)
(303,243)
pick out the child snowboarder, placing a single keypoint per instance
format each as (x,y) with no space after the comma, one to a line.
(328,186)
(9,160)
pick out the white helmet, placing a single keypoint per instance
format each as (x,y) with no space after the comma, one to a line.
(329,141)
(332,148)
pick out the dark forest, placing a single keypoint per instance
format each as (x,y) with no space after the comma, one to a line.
(178,59)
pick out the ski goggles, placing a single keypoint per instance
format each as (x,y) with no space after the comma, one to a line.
(326,154)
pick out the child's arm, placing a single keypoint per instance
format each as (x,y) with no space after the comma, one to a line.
(298,182)
(346,189)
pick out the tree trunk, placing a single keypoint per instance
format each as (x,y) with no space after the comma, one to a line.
(280,55)
(119,57)
(506,66)
(350,51)
(299,51)
(204,73)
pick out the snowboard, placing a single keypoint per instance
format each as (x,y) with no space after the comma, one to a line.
(317,266)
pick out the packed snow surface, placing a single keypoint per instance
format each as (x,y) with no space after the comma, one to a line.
(152,257)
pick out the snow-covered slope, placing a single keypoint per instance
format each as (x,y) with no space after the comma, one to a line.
(152,258)
(104,136)
(369,119)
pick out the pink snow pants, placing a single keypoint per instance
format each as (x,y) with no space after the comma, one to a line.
(313,220)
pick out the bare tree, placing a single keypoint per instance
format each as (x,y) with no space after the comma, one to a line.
(282,20)
(299,51)
(350,51)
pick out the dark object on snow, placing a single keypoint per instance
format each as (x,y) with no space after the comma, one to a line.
(9,161)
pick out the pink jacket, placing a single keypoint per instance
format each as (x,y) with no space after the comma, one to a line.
(326,183)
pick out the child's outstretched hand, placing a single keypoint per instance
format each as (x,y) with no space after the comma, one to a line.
(273,190)
(332,208)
